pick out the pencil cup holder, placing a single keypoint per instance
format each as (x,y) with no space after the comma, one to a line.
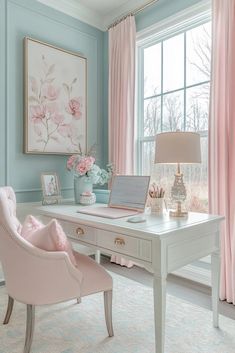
(157,205)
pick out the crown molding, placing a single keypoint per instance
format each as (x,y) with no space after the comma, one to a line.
(78,11)
(94,18)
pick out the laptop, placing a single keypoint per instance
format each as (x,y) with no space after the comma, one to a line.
(127,198)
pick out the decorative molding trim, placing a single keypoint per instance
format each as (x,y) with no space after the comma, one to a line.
(7,121)
(76,10)
(93,18)
(51,18)
(3,88)
(22,191)
(199,12)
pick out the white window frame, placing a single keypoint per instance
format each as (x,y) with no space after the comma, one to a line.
(182,21)
(179,23)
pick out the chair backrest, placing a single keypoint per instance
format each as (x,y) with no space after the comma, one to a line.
(32,275)
(12,246)
(8,209)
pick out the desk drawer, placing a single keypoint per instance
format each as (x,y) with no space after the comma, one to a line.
(125,245)
(80,232)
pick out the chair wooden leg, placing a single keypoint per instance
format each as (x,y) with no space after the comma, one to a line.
(9,310)
(29,328)
(108,296)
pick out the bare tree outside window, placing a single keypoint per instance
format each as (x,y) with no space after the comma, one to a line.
(173,113)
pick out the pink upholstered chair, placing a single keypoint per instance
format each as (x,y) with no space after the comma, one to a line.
(37,277)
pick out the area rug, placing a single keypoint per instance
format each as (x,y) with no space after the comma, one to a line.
(80,328)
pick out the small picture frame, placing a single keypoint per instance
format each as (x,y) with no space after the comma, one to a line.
(51,191)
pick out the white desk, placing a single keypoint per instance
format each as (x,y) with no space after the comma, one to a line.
(161,244)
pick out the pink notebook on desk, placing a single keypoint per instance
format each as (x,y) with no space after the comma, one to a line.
(127,198)
(107,212)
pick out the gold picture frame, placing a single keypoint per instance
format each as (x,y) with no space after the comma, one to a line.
(55,99)
(51,190)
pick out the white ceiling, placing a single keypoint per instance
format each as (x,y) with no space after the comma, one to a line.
(98,13)
(103,6)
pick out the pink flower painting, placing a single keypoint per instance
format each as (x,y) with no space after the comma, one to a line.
(74,108)
(37,113)
(50,92)
(56,96)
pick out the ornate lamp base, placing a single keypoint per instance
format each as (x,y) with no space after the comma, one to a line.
(178,194)
(178,212)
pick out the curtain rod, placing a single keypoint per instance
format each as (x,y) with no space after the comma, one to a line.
(132,13)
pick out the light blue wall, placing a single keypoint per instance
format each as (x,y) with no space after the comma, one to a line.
(161,10)
(20,18)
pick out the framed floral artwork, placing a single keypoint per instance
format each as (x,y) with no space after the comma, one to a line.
(55,99)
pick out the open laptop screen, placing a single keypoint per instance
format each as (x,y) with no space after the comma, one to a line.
(129,192)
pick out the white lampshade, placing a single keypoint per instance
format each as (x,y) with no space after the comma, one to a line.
(178,147)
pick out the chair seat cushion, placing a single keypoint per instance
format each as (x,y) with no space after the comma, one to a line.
(50,237)
(95,277)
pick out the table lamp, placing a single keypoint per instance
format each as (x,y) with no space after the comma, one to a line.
(178,147)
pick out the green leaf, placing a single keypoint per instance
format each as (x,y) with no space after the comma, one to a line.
(66,88)
(51,69)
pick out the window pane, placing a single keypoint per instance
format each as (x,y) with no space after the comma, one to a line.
(187,108)
(173,63)
(173,111)
(148,154)
(195,177)
(163,175)
(152,70)
(198,54)
(197,105)
(152,116)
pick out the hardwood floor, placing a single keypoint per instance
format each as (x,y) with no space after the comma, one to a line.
(182,288)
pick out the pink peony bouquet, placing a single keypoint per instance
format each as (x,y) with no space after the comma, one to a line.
(84,165)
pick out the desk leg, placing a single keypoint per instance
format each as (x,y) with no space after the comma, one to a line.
(97,256)
(215,283)
(159,292)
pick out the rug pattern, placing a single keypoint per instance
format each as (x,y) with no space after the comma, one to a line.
(80,328)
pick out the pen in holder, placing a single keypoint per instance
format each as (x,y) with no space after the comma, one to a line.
(157,205)
(156,199)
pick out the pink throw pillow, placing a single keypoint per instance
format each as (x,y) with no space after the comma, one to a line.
(30,225)
(50,237)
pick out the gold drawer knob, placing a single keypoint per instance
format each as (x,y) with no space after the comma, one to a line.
(79,231)
(119,241)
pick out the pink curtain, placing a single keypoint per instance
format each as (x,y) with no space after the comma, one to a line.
(122,43)
(222,138)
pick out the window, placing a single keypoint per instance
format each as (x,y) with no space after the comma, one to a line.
(174,88)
